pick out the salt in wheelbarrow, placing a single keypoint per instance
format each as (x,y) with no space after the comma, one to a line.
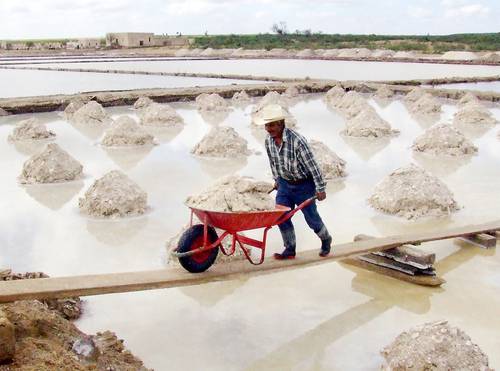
(199,245)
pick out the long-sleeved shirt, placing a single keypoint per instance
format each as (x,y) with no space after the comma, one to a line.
(293,159)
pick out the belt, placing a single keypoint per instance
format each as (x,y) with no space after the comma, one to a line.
(297,182)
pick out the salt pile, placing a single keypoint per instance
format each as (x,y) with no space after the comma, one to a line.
(234,193)
(332,166)
(384,92)
(468,98)
(271,97)
(434,346)
(491,57)
(411,192)
(3,112)
(73,106)
(52,165)
(30,129)
(113,195)
(334,95)
(291,92)
(142,102)
(211,102)
(352,103)
(222,142)
(162,115)
(368,123)
(91,113)
(126,132)
(425,105)
(459,56)
(474,113)
(443,139)
(240,96)
(414,95)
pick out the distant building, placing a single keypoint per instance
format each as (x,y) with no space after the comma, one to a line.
(140,39)
(88,43)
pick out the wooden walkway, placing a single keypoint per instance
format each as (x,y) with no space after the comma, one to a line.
(62,287)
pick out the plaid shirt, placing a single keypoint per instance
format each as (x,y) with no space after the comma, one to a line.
(294,160)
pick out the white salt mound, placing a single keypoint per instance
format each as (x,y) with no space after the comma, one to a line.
(384,92)
(368,124)
(113,195)
(161,115)
(3,112)
(73,106)
(434,346)
(468,98)
(222,141)
(334,95)
(411,192)
(52,165)
(425,105)
(414,95)
(352,104)
(211,102)
(332,166)
(291,92)
(271,97)
(240,96)
(234,193)
(126,132)
(443,139)
(474,113)
(30,129)
(142,102)
(91,113)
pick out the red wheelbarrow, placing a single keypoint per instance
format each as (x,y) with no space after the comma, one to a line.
(199,245)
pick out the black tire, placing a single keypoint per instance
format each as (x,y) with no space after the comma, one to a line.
(193,239)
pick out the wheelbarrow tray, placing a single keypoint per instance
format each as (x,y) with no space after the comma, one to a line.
(233,222)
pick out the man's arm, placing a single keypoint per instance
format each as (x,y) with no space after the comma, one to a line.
(271,161)
(307,157)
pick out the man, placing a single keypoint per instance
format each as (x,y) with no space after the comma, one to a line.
(297,177)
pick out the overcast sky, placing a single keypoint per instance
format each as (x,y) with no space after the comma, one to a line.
(86,18)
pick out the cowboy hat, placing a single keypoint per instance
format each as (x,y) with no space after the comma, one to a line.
(270,113)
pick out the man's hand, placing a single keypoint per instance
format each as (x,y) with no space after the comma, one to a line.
(321,196)
(275,187)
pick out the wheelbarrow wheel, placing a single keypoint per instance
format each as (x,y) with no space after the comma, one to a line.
(192,239)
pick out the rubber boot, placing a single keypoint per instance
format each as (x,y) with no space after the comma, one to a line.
(326,241)
(289,241)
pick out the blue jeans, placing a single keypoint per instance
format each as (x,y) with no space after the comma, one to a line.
(294,194)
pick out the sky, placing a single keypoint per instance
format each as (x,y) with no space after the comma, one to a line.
(41,19)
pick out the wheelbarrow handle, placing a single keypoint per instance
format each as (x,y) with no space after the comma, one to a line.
(291,213)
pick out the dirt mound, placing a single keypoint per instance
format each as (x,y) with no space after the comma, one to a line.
(305,53)
(91,113)
(425,105)
(382,53)
(384,92)
(30,129)
(234,193)
(334,95)
(73,106)
(355,53)
(329,53)
(368,123)
(240,96)
(474,113)
(412,193)
(332,166)
(459,56)
(222,141)
(161,115)
(44,340)
(52,165)
(211,102)
(444,139)
(414,95)
(142,102)
(271,97)
(126,132)
(352,104)
(491,57)
(434,346)
(404,55)
(114,195)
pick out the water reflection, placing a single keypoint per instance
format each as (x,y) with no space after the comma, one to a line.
(425,121)
(164,135)
(441,165)
(128,157)
(31,147)
(218,167)
(366,148)
(214,117)
(116,232)
(54,196)
(91,131)
(208,296)
(474,131)
(382,102)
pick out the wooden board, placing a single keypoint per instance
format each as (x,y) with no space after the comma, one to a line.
(61,287)
(484,240)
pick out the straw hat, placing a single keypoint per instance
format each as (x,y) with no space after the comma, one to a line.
(270,113)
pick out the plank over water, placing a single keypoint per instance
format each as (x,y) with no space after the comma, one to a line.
(61,287)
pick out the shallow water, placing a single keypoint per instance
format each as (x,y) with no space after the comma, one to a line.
(326,317)
(28,83)
(337,70)
(479,86)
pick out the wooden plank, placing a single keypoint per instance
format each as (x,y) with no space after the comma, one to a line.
(484,240)
(392,264)
(495,234)
(62,287)
(433,281)
(406,254)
